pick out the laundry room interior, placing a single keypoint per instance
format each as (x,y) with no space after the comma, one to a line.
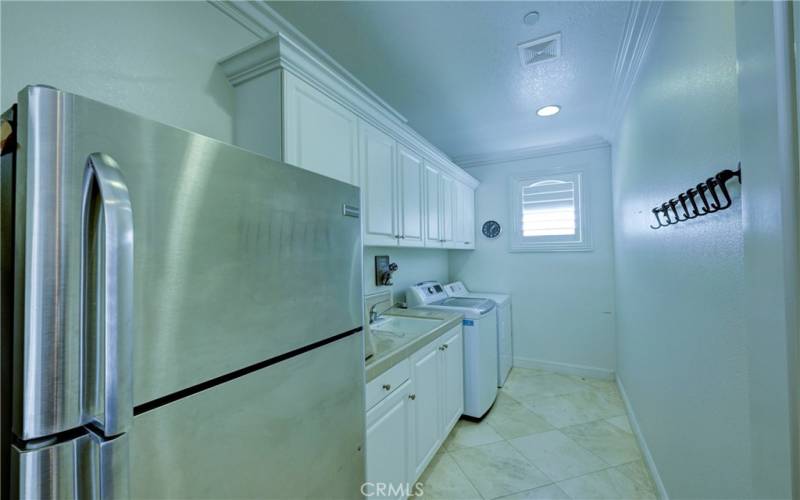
(390,249)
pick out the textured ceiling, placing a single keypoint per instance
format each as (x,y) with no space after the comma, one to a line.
(453,70)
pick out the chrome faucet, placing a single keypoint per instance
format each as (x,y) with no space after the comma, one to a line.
(373,315)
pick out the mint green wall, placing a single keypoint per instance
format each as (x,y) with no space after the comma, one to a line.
(157,59)
(767,126)
(414,265)
(562,302)
(681,344)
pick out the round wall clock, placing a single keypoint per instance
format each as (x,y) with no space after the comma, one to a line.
(491,229)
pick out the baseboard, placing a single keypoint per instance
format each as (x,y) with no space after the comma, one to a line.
(637,431)
(566,368)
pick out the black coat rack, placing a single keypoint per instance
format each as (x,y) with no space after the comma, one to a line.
(705,198)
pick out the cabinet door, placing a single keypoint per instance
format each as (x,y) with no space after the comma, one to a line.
(463,216)
(458,216)
(433,217)
(320,134)
(446,210)
(469,217)
(410,177)
(453,379)
(426,404)
(390,441)
(378,155)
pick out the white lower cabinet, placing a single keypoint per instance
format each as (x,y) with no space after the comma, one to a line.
(426,372)
(407,427)
(453,379)
(390,444)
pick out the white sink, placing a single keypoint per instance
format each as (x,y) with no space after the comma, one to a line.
(402,326)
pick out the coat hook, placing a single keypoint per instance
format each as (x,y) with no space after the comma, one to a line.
(656,211)
(709,191)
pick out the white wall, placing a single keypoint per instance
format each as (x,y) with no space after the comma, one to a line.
(562,302)
(414,265)
(157,59)
(682,351)
(769,215)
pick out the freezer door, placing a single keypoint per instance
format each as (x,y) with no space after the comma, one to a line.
(237,259)
(294,429)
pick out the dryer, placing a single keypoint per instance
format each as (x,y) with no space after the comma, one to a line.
(505,341)
(480,341)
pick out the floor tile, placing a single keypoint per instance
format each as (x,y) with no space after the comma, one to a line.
(549,492)
(621,422)
(516,448)
(498,469)
(511,419)
(640,475)
(443,479)
(468,433)
(608,484)
(557,456)
(529,385)
(607,441)
(576,408)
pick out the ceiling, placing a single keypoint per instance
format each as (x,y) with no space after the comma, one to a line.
(453,70)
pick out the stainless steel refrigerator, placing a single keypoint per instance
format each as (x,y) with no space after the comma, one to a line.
(180,318)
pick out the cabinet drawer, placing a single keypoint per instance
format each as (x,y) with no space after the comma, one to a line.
(386,383)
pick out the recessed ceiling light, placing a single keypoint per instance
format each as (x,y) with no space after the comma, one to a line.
(549,110)
(531,18)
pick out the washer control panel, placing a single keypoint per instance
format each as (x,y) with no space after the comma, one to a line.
(426,292)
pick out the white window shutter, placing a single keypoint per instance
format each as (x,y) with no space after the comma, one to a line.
(548,208)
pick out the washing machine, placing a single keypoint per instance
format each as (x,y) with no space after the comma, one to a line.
(480,341)
(505,342)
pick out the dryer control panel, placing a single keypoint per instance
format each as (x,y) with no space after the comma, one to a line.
(456,289)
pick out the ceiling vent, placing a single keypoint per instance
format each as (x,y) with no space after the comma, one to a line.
(540,50)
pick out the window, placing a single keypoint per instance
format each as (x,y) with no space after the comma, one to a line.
(547,213)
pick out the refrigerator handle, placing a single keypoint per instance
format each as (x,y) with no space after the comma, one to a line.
(106,209)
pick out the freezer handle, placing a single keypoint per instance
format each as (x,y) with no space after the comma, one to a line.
(106,209)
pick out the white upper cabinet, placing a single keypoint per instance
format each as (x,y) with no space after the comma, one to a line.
(447,196)
(378,211)
(410,193)
(469,217)
(463,217)
(293,107)
(433,207)
(319,134)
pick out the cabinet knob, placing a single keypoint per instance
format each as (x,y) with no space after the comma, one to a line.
(387,387)
(412,396)
(442,348)
(402,237)
(466,242)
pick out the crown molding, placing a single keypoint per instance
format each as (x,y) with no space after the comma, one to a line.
(639,27)
(289,49)
(479,160)
(263,21)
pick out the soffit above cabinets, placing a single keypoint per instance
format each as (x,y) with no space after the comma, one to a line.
(453,68)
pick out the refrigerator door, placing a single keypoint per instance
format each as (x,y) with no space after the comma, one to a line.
(294,429)
(238,259)
(83,467)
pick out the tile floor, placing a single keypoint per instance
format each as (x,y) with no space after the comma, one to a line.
(548,436)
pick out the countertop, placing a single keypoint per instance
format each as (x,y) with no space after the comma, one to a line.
(390,349)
